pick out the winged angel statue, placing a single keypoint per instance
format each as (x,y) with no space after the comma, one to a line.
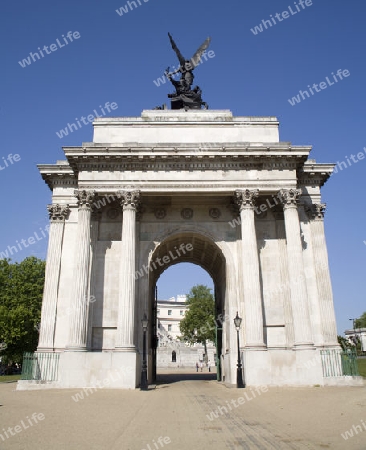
(186,97)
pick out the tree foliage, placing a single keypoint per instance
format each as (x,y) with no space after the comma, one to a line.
(21,290)
(198,324)
(361,322)
(343,342)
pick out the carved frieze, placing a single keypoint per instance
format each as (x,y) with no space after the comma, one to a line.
(215,213)
(160,213)
(186,213)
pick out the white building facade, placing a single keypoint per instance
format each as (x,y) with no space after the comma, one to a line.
(171,351)
(169,315)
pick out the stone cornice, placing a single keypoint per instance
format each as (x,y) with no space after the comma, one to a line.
(128,149)
(58,175)
(181,117)
(314,174)
(187,159)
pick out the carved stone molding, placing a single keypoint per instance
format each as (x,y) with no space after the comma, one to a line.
(246,198)
(113,213)
(160,213)
(215,213)
(85,198)
(316,211)
(58,212)
(289,197)
(130,199)
(186,213)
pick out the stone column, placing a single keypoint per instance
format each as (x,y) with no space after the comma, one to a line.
(130,201)
(284,286)
(95,219)
(250,263)
(79,306)
(321,265)
(299,297)
(58,214)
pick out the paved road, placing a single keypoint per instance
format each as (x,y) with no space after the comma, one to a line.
(194,413)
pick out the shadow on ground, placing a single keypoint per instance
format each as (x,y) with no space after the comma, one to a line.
(168,378)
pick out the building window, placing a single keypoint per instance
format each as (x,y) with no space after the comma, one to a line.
(169,328)
(174,356)
(169,312)
(181,312)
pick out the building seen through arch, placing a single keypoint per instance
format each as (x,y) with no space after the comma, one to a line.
(169,314)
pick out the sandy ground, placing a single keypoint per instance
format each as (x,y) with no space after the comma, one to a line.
(181,414)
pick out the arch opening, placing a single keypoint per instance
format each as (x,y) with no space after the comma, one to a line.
(200,251)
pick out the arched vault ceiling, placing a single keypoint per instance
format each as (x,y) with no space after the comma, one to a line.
(205,252)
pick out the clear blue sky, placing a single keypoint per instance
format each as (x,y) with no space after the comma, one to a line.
(117,58)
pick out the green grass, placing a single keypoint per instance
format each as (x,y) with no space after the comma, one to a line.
(4,378)
(362,367)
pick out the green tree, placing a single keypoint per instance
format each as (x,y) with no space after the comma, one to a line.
(344,343)
(21,290)
(198,324)
(361,322)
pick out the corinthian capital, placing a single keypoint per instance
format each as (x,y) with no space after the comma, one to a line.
(316,211)
(84,198)
(58,212)
(130,199)
(289,197)
(246,198)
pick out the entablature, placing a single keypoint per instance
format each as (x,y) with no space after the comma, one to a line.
(187,157)
(314,174)
(60,174)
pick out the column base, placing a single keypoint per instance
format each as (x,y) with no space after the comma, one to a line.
(334,346)
(304,346)
(45,350)
(70,348)
(125,348)
(255,347)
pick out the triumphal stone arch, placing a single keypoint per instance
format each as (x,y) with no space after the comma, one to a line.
(198,186)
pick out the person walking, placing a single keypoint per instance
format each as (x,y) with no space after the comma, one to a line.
(209,365)
(196,366)
(201,365)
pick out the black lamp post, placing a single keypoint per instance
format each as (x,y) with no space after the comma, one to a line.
(143,384)
(239,374)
